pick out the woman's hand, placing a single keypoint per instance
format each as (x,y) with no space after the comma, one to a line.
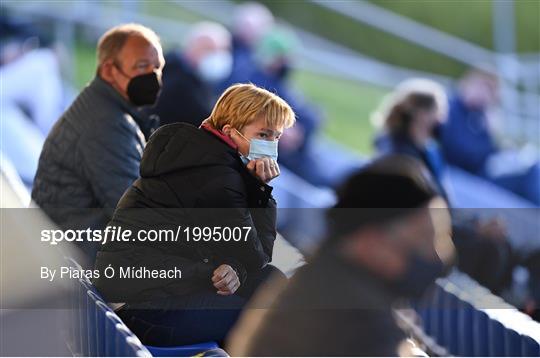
(265,169)
(225,280)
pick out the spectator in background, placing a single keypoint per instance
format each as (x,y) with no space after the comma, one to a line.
(213,177)
(386,242)
(189,76)
(31,97)
(92,154)
(251,21)
(468,141)
(409,117)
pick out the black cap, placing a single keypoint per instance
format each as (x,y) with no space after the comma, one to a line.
(387,188)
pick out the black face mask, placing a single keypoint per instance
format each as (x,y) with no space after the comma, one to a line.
(437,132)
(144,89)
(283,71)
(420,274)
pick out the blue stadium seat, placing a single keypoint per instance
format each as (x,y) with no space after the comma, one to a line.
(467,320)
(480,334)
(184,351)
(100,332)
(465,330)
(127,345)
(93,330)
(496,338)
(450,319)
(111,324)
(512,343)
(437,309)
(135,348)
(530,347)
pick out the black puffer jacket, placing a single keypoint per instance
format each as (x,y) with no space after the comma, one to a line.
(90,157)
(190,177)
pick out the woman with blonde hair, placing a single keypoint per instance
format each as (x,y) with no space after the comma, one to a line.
(209,186)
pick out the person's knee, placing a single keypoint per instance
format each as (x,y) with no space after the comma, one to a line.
(273,272)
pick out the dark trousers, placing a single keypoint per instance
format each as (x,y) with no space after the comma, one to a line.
(195,318)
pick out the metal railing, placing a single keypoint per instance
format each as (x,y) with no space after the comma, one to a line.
(520,85)
(521,91)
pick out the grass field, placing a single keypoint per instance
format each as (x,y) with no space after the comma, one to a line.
(468,19)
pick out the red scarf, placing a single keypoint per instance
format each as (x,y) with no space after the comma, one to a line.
(207,127)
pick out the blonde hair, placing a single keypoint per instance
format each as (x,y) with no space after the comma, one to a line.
(242,104)
(111,42)
(397,109)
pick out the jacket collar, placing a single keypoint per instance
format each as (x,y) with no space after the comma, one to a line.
(106,90)
(207,127)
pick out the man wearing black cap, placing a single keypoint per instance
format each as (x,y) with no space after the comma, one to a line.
(386,242)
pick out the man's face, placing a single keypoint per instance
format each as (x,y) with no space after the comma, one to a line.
(426,234)
(480,91)
(415,235)
(137,57)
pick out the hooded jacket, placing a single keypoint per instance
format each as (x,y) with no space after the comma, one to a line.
(190,178)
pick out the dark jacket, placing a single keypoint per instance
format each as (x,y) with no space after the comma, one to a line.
(185,167)
(184,96)
(330,308)
(90,157)
(465,137)
(429,155)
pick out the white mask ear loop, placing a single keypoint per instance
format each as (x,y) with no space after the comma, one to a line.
(243,157)
(237,131)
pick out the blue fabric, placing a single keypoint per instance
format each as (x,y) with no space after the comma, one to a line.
(525,184)
(467,143)
(465,138)
(429,155)
(243,60)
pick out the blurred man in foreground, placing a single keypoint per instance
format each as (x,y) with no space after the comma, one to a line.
(92,154)
(341,302)
(190,75)
(409,117)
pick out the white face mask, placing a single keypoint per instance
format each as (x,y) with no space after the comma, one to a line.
(215,66)
(260,148)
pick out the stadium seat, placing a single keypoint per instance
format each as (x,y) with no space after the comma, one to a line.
(480,334)
(184,351)
(530,347)
(496,338)
(100,332)
(512,343)
(467,320)
(450,319)
(465,330)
